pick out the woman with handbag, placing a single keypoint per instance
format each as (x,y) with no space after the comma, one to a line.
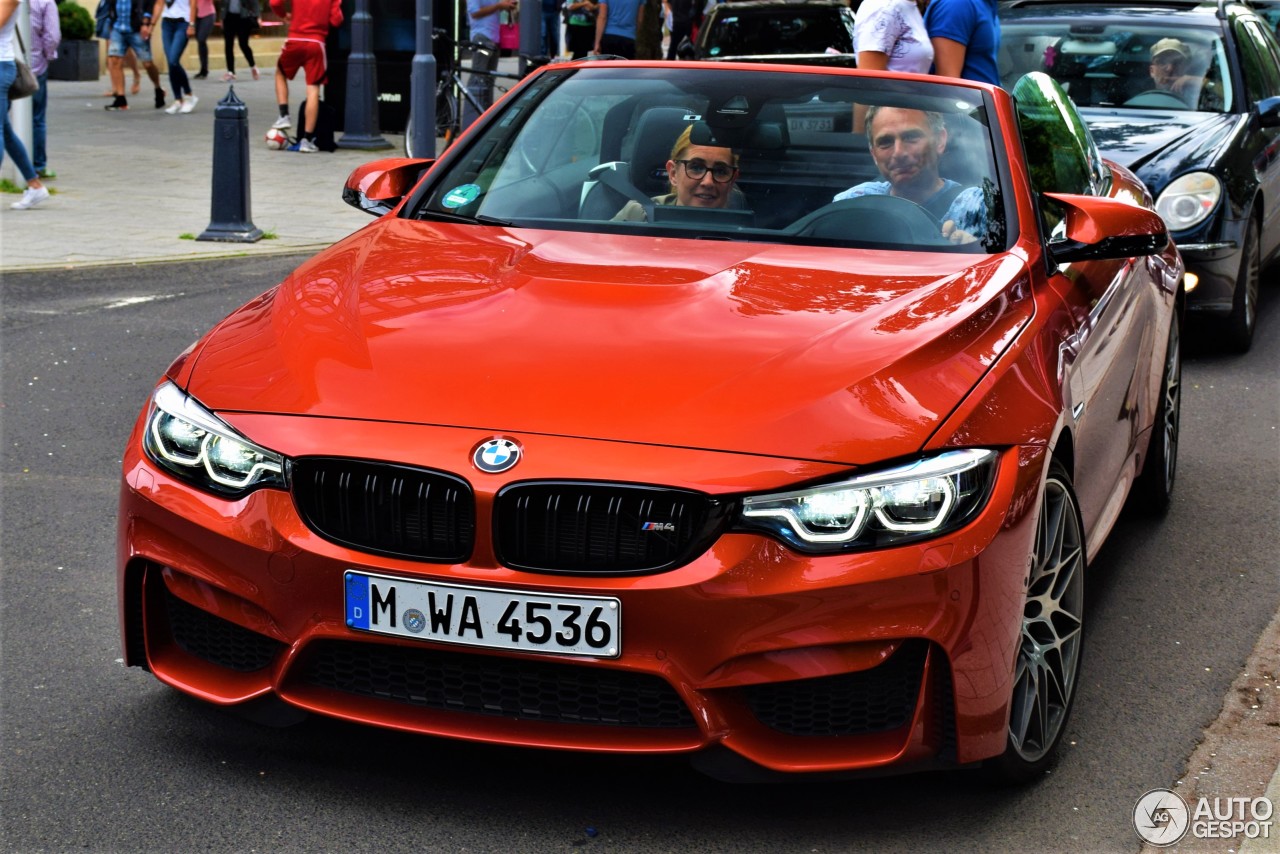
(36,191)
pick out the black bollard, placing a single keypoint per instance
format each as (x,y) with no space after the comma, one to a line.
(231,221)
(361,116)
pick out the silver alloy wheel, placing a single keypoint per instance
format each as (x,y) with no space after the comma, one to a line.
(1171,406)
(1049,657)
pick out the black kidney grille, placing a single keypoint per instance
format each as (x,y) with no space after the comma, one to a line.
(876,700)
(484,685)
(602,528)
(216,640)
(386,508)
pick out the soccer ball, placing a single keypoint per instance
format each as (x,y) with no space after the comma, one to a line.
(277,139)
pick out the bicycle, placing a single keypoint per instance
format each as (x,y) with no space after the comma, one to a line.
(452,92)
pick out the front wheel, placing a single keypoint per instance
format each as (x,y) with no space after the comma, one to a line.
(1244,305)
(1154,488)
(1047,668)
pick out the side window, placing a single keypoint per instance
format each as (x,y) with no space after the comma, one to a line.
(1257,63)
(1061,155)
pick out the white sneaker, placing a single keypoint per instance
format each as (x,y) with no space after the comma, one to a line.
(306,146)
(174,107)
(31,197)
(228,77)
(189,104)
(255,72)
(283,123)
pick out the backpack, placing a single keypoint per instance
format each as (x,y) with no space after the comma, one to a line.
(325,124)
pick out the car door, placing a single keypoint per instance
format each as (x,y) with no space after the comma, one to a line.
(1106,346)
(1260,67)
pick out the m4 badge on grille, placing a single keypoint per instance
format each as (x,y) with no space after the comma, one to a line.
(670,527)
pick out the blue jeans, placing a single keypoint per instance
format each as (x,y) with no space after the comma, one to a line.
(12,144)
(39,122)
(173,35)
(551,31)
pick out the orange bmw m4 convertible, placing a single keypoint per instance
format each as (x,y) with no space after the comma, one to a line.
(770,415)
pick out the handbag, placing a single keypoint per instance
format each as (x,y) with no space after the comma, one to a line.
(24,84)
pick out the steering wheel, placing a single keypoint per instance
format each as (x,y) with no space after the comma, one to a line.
(872,219)
(1158,98)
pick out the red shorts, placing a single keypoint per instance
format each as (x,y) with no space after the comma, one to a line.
(303,54)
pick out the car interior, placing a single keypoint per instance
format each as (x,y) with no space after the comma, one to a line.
(796,153)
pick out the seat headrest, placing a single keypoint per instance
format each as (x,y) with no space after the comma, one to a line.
(655,135)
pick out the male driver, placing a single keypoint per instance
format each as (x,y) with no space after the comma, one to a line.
(702,176)
(309,24)
(905,145)
(1169,59)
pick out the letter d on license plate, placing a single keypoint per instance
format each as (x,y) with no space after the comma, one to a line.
(562,624)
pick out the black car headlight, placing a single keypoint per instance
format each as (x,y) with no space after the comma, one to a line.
(915,501)
(197,446)
(1188,200)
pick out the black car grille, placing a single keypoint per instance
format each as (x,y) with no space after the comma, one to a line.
(386,508)
(602,528)
(876,700)
(484,685)
(216,640)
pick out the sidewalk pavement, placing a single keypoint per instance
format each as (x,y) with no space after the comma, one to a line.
(131,184)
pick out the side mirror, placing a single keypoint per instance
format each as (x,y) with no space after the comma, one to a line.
(1096,228)
(686,50)
(1269,111)
(377,187)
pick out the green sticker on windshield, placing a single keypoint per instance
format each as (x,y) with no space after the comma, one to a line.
(459,196)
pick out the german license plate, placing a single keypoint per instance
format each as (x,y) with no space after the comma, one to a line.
(813,124)
(563,624)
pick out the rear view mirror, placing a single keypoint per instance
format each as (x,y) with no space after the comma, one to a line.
(377,187)
(1095,228)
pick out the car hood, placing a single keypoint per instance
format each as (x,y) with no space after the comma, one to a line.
(1159,145)
(802,352)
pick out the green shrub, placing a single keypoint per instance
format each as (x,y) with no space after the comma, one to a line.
(75,20)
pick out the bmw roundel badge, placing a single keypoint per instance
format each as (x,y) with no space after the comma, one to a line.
(496,455)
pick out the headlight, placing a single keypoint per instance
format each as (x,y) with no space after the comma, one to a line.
(1188,200)
(922,499)
(197,446)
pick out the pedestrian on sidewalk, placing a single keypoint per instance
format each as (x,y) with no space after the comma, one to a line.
(239,20)
(129,28)
(309,24)
(36,191)
(46,35)
(206,14)
(580,26)
(177,27)
(616,26)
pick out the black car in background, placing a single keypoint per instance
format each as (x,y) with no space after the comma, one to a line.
(800,32)
(1200,126)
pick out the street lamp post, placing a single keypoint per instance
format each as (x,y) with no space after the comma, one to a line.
(361,127)
(422,88)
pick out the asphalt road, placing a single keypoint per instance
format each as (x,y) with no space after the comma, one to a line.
(96,757)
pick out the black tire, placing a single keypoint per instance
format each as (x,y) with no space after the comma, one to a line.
(1047,668)
(1244,306)
(1153,490)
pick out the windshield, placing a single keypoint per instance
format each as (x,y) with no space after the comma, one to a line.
(770,32)
(730,154)
(1103,64)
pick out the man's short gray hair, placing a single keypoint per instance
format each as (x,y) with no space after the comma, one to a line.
(936,124)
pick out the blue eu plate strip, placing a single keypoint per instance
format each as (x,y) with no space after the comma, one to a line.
(357,601)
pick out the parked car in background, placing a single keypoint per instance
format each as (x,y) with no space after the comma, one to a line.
(804,32)
(1209,152)
(783,483)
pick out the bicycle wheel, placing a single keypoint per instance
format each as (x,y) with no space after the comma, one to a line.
(446,113)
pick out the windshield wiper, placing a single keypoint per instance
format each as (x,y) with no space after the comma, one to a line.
(450,216)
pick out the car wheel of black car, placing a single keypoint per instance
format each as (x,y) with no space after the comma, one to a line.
(1244,306)
(1048,664)
(1154,488)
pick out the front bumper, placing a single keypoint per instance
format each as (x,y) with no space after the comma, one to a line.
(796,663)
